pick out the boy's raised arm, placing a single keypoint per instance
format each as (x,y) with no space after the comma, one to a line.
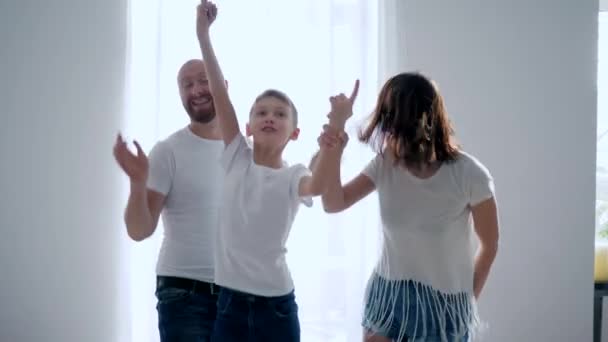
(206,14)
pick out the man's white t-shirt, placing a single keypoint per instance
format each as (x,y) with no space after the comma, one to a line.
(260,205)
(186,169)
(427,224)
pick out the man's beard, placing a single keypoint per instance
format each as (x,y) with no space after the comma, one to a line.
(201,116)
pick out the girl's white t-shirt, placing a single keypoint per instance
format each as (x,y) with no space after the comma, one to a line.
(427,227)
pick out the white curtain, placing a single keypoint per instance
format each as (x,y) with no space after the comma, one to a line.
(310,49)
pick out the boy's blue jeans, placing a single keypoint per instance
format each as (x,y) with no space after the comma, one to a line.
(245,317)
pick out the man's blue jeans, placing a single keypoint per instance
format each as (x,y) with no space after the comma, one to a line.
(186,309)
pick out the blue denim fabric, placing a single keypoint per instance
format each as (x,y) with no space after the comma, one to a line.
(408,307)
(245,317)
(184,315)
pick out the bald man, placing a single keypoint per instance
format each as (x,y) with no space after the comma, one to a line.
(182,178)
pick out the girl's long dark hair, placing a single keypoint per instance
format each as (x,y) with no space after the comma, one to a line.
(411,121)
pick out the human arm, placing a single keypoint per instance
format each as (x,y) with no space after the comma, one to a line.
(142,212)
(338,197)
(485,221)
(328,157)
(229,125)
(144,206)
(480,190)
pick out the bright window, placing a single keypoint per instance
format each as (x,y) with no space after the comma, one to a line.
(310,49)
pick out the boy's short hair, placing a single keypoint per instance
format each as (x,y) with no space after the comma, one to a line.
(281,96)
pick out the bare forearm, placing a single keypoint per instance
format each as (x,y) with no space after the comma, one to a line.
(138,219)
(224,108)
(321,165)
(313,160)
(212,67)
(483,263)
(326,160)
(333,197)
(337,125)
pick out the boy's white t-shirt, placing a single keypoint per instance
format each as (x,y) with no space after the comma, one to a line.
(427,224)
(260,205)
(186,169)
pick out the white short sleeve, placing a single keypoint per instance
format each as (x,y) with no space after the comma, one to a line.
(372,168)
(236,152)
(161,168)
(299,171)
(480,185)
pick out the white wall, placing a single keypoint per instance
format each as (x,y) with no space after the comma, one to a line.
(519,78)
(61,85)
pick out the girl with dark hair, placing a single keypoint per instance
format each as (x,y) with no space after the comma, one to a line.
(434,198)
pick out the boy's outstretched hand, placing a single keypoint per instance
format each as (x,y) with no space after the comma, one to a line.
(342,108)
(206,14)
